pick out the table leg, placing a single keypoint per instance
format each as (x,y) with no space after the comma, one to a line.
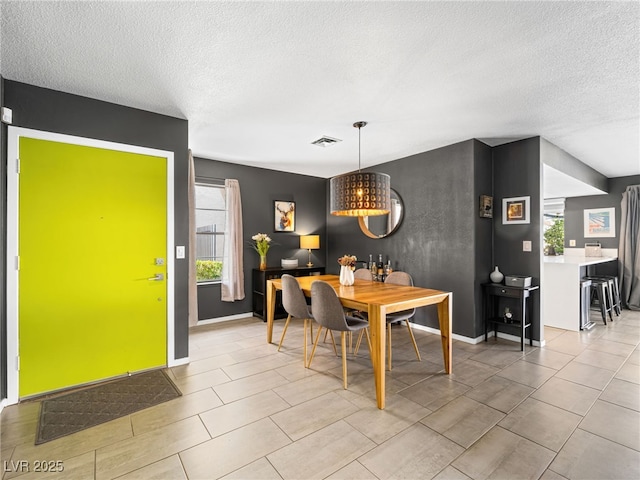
(446,332)
(377,328)
(271,307)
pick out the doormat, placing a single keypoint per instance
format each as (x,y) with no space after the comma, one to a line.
(76,411)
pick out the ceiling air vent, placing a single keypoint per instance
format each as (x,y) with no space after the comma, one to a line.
(325,141)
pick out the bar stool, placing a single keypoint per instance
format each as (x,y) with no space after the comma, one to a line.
(600,289)
(615,292)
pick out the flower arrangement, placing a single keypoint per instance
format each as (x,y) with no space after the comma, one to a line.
(262,243)
(348,261)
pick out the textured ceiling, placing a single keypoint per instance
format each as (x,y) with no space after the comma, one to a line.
(259,82)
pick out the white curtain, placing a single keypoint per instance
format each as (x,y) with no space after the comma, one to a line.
(232,262)
(629,248)
(193,281)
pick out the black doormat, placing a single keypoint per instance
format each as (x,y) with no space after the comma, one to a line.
(72,412)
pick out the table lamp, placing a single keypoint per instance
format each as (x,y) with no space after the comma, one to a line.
(310,242)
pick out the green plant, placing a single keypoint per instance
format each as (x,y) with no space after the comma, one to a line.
(208,270)
(554,236)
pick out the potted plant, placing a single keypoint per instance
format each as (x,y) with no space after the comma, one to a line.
(554,238)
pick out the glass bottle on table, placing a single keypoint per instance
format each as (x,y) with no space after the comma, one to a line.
(387,269)
(380,268)
(373,267)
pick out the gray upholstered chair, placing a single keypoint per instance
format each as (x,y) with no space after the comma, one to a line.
(295,304)
(363,274)
(329,314)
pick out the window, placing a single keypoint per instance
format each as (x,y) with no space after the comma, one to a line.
(553,226)
(210,220)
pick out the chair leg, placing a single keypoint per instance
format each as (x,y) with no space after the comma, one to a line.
(366,331)
(333,341)
(343,338)
(315,344)
(413,339)
(389,346)
(305,343)
(355,352)
(284,332)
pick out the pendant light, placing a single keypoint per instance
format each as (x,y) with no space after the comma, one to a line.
(360,194)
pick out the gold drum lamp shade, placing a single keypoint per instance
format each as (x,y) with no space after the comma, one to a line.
(310,242)
(360,194)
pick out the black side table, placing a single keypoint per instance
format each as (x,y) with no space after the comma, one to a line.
(521,315)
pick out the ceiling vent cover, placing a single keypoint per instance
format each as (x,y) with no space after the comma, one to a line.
(325,141)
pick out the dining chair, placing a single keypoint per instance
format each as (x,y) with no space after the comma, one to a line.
(363,274)
(329,314)
(397,278)
(295,304)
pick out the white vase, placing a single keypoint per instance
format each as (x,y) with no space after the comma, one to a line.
(496,276)
(346,276)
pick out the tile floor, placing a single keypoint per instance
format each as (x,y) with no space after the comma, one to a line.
(568,410)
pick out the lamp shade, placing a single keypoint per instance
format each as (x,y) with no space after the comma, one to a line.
(310,242)
(360,194)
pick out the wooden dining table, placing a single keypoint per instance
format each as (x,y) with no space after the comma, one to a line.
(378,299)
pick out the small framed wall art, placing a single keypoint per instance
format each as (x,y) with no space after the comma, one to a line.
(600,222)
(486,206)
(516,210)
(284,216)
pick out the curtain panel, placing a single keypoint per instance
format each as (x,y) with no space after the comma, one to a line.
(629,248)
(233,260)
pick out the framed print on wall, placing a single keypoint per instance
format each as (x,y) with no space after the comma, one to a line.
(600,222)
(284,216)
(486,206)
(516,210)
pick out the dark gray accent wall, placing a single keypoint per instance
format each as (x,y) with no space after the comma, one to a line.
(259,188)
(517,173)
(441,235)
(574,212)
(43,109)
(557,158)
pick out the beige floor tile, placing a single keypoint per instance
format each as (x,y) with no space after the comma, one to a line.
(615,348)
(321,453)
(549,358)
(313,415)
(136,452)
(567,345)
(260,350)
(201,381)
(542,423)
(463,420)
(242,412)
(258,365)
(527,373)
(380,425)
(294,372)
(81,467)
(434,392)
(502,454)
(629,372)
(567,395)
(631,338)
(412,371)
(587,375)
(245,387)
(598,359)
(590,456)
(551,332)
(19,424)
(451,473)
(308,388)
(472,373)
(201,366)
(622,393)
(232,451)
(500,393)
(498,358)
(417,452)
(261,469)
(615,423)
(634,358)
(169,468)
(353,471)
(551,475)
(173,411)
(78,443)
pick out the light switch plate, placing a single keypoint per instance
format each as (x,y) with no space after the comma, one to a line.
(180,251)
(572,243)
(526,245)
(7,115)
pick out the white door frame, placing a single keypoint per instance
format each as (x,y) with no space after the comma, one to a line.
(13,154)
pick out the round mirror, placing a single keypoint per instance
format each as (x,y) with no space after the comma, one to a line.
(381,226)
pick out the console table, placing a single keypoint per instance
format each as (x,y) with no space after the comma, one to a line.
(521,312)
(259,287)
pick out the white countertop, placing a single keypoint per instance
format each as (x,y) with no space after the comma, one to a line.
(577,259)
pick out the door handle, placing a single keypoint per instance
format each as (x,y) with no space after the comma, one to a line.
(157,278)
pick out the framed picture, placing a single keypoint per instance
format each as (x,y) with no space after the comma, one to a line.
(516,210)
(600,222)
(486,206)
(285,216)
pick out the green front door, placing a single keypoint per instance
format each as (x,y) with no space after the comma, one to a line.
(92,238)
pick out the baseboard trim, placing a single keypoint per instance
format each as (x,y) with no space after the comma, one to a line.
(178,361)
(474,341)
(228,318)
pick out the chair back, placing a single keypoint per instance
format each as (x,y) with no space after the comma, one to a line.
(293,299)
(363,274)
(326,306)
(401,278)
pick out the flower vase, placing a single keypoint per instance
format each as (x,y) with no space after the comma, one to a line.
(346,276)
(496,276)
(263,262)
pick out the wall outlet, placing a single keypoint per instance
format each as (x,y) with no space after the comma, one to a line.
(7,115)
(572,243)
(526,245)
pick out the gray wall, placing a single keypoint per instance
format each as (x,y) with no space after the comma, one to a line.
(3,253)
(259,188)
(557,158)
(42,109)
(517,173)
(441,234)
